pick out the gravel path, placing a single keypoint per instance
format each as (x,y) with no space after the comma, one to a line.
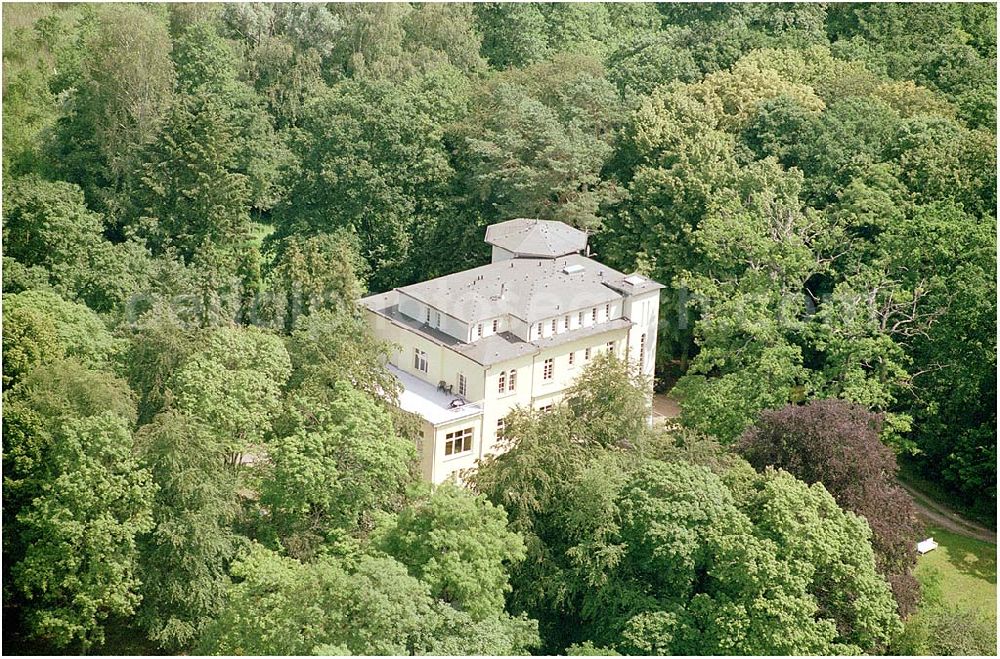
(940,515)
(665,407)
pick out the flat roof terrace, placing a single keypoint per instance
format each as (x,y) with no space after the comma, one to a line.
(426,400)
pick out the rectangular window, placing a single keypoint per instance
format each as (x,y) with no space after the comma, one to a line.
(500,424)
(586,355)
(579,319)
(458,442)
(642,351)
(565,322)
(548,368)
(607,312)
(572,358)
(553,325)
(512,383)
(419,360)
(437,319)
(611,347)
(479,330)
(593,315)
(546,408)
(502,382)
(427,315)
(496,325)
(462,385)
(539,330)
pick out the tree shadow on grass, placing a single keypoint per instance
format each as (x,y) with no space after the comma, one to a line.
(972,558)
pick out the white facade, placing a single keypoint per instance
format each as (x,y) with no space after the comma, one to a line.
(463,370)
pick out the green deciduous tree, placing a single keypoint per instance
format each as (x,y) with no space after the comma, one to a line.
(372,163)
(459,545)
(447,28)
(29,339)
(665,558)
(79,564)
(33,37)
(48,224)
(48,228)
(610,401)
(121,81)
(77,331)
(337,464)
(47,398)
(361,605)
(949,258)
(657,57)
(760,249)
(327,347)
(233,385)
(513,34)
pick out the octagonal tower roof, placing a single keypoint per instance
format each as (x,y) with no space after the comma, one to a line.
(536,238)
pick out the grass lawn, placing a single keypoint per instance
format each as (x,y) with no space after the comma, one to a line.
(258,232)
(961,571)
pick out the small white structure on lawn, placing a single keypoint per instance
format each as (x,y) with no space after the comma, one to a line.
(927,545)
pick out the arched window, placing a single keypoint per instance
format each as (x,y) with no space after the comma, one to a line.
(502,382)
(513,380)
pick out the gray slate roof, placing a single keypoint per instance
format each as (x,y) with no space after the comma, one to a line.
(495,348)
(544,238)
(528,289)
(488,350)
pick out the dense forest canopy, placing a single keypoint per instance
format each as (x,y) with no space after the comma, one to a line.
(194,196)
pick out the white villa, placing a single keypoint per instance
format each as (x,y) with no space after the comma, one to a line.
(475,344)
